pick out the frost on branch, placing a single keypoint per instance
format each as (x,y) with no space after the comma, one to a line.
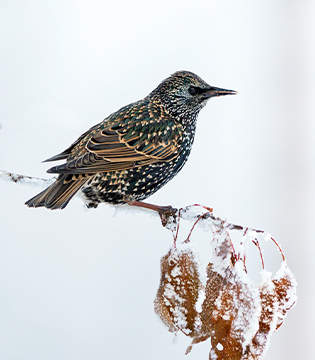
(217,300)
(23,179)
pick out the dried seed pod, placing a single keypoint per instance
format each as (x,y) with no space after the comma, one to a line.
(285,286)
(212,290)
(178,293)
(269,307)
(226,307)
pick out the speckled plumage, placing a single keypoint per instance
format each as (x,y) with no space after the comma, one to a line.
(135,151)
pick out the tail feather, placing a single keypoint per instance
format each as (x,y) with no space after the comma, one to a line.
(58,195)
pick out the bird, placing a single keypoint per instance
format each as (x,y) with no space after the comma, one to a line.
(134,151)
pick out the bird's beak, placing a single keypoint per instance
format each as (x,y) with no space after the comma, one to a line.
(215,91)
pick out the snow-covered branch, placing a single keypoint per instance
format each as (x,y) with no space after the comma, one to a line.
(215,298)
(23,179)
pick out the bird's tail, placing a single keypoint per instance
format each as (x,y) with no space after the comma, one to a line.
(58,194)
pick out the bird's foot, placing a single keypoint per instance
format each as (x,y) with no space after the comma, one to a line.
(167,214)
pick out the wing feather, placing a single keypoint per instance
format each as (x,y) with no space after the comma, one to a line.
(121,143)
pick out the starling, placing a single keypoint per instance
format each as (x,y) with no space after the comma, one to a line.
(133,152)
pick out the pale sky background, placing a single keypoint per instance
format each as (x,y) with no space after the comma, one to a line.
(78,284)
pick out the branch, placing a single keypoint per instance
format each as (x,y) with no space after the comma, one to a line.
(23,179)
(237,315)
(214,300)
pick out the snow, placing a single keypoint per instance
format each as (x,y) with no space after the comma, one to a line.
(183,294)
(26,180)
(252,312)
(219,347)
(79,283)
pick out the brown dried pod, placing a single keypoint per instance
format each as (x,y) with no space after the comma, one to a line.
(285,287)
(212,290)
(229,313)
(269,306)
(234,317)
(178,292)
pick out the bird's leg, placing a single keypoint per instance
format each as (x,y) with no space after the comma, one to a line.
(164,211)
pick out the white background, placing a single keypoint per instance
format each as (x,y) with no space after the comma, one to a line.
(78,284)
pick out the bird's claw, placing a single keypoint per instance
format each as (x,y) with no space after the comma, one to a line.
(166,212)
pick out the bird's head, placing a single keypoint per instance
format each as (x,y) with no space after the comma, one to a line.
(184,94)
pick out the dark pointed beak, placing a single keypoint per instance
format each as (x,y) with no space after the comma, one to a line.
(215,91)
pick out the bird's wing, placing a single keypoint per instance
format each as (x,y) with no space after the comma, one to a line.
(123,145)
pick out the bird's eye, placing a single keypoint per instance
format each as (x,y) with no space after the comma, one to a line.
(192,91)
